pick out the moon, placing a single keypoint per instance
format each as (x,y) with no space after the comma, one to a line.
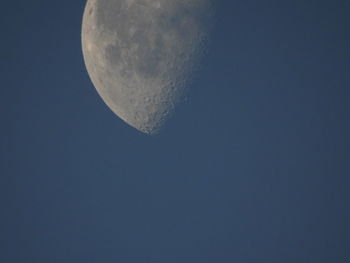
(141,54)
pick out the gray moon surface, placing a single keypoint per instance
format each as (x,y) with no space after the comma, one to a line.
(140,54)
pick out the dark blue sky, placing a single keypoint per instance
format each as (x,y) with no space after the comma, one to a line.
(254,167)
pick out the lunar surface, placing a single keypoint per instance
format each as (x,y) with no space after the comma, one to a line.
(140,54)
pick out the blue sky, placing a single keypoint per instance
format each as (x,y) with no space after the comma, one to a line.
(253,167)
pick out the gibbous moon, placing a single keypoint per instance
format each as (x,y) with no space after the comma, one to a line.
(140,54)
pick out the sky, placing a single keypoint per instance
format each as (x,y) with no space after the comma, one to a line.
(253,167)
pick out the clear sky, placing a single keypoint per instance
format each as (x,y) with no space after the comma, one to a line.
(254,166)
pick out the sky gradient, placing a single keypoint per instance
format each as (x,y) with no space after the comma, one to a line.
(253,167)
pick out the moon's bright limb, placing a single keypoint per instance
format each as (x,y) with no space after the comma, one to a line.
(140,53)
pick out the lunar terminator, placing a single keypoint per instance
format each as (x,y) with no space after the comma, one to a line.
(140,54)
